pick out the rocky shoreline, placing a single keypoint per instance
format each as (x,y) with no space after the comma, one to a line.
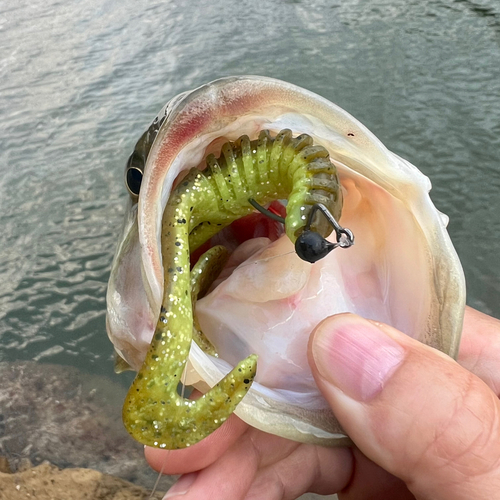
(60,424)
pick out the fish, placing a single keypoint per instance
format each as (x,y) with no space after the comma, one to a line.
(258,314)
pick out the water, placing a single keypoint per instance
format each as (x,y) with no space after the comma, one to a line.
(81,80)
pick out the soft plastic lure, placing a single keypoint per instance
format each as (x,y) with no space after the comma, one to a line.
(248,175)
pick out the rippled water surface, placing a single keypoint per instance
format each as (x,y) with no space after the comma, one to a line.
(81,80)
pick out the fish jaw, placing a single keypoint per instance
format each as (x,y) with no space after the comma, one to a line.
(130,319)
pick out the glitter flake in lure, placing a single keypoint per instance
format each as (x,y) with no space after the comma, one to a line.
(403,269)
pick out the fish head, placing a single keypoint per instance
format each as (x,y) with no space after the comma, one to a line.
(403,269)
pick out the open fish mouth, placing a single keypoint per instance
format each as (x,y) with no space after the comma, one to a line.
(335,175)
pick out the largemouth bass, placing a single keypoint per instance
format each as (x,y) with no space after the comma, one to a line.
(195,171)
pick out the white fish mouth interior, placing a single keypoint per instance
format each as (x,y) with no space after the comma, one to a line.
(373,279)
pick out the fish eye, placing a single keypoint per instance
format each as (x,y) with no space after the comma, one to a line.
(133,175)
(133,181)
(311,246)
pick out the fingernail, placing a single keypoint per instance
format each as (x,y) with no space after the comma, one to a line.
(181,487)
(355,355)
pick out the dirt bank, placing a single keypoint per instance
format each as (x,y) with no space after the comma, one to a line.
(48,482)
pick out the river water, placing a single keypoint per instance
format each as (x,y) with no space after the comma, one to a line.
(80,81)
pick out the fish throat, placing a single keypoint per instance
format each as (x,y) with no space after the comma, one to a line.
(248,174)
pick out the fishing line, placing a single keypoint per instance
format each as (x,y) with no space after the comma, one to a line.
(153,491)
(267,259)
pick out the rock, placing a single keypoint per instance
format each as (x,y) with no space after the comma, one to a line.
(47,482)
(70,418)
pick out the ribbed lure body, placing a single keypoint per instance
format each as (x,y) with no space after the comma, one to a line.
(267,169)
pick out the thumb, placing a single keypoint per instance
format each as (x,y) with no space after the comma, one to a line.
(409,408)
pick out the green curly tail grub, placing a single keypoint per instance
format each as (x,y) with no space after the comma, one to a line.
(202,204)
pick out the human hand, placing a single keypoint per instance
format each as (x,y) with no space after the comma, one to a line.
(423,425)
